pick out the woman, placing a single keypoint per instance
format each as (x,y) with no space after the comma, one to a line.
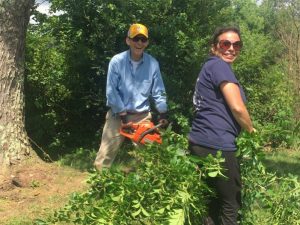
(220,115)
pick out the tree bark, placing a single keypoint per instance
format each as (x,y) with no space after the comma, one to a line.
(14,143)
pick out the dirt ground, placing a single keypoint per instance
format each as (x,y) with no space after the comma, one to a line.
(34,190)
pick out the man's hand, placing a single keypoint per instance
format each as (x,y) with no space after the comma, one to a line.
(163,120)
(164,123)
(124,123)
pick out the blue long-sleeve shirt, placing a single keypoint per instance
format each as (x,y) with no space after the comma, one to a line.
(130,91)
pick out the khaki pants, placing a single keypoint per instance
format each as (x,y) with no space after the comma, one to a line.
(112,139)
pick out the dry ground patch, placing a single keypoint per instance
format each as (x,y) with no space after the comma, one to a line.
(34,190)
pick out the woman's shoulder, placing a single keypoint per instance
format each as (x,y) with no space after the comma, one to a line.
(215,63)
(215,60)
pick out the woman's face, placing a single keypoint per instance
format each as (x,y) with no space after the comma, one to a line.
(228,46)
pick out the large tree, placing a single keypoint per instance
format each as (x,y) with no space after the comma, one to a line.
(14,142)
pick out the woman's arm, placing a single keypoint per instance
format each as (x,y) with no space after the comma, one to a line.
(232,95)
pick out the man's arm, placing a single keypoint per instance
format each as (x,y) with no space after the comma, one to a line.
(160,98)
(158,92)
(112,93)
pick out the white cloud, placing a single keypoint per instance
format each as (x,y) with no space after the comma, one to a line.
(43,6)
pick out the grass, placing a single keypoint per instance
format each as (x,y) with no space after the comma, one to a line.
(20,221)
(81,159)
(283,162)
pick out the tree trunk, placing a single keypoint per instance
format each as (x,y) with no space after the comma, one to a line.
(14,142)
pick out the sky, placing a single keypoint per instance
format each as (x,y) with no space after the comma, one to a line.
(43,6)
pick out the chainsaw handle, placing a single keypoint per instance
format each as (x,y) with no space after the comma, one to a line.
(149,131)
(127,131)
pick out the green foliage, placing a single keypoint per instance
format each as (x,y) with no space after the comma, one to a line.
(45,85)
(273,108)
(67,58)
(269,91)
(166,188)
(84,38)
(267,197)
(58,98)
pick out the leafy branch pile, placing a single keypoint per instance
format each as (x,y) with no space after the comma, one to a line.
(166,188)
(267,197)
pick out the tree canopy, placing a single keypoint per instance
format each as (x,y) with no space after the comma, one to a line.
(68,55)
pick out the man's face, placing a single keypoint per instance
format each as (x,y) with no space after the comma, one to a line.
(137,46)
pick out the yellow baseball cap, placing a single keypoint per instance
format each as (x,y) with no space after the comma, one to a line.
(136,29)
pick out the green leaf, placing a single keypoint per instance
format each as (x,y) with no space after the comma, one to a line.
(117,198)
(213,174)
(145,213)
(177,217)
(134,214)
(160,211)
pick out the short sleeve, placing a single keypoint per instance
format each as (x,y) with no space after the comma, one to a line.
(221,72)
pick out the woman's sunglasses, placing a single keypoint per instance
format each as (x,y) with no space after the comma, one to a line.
(137,38)
(225,45)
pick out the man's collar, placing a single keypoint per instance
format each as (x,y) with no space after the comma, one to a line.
(130,59)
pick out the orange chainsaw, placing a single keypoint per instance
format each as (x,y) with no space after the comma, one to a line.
(143,132)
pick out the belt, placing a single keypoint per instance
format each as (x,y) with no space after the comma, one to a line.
(137,113)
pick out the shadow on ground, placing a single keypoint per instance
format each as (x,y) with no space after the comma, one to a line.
(284,164)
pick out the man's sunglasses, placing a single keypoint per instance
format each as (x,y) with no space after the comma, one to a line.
(225,45)
(137,38)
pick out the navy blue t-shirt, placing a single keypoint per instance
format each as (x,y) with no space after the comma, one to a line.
(214,125)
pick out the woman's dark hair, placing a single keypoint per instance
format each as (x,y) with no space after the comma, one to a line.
(224,29)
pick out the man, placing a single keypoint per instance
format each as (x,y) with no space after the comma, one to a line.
(133,78)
